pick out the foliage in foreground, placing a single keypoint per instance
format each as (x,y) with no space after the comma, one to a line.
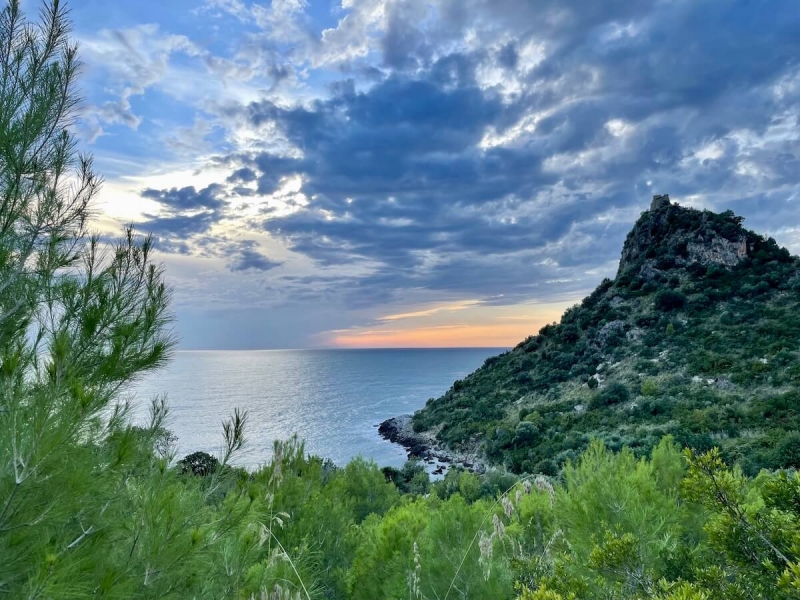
(673,526)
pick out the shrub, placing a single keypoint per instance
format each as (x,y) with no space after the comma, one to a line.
(667,300)
(546,467)
(525,433)
(534,417)
(523,379)
(613,393)
(496,482)
(787,451)
(649,387)
(570,334)
(199,463)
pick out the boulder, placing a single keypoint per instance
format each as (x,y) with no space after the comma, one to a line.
(724,384)
(615,330)
(648,272)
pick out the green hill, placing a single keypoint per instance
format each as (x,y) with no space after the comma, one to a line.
(698,336)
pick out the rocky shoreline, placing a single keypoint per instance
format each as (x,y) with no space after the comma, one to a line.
(425,447)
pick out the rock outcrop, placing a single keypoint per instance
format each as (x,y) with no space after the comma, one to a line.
(717,251)
(669,234)
(425,446)
(611,331)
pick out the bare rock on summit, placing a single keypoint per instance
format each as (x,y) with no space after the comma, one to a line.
(669,236)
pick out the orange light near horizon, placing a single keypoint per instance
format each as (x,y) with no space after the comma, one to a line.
(460,324)
(501,335)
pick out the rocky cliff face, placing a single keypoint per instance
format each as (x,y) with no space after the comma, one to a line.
(669,233)
(717,251)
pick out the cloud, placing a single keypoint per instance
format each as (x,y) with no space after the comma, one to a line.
(129,61)
(187,198)
(185,212)
(174,227)
(614,109)
(494,151)
(431,311)
(246,258)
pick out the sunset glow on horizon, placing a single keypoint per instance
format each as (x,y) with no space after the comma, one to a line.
(473,327)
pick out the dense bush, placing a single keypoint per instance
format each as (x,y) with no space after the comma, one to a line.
(667,300)
(613,393)
(411,479)
(787,451)
(199,463)
(691,529)
(649,387)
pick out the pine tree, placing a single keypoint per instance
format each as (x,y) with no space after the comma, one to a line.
(79,321)
(91,505)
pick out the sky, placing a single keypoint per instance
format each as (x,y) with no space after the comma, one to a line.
(376,173)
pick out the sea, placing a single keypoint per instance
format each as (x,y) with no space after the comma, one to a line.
(334,400)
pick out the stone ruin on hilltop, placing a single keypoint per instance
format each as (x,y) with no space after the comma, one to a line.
(659,201)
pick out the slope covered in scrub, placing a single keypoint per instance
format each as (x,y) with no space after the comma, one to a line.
(696,337)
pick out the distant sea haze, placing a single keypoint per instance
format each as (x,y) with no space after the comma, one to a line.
(333,399)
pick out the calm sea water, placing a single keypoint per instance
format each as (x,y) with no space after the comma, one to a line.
(333,399)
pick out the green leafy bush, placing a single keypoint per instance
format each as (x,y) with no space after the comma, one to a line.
(612,393)
(787,451)
(199,463)
(650,387)
(667,300)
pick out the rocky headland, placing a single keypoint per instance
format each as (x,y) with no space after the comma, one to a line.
(425,447)
(695,337)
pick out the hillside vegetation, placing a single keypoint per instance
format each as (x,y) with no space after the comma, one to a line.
(696,337)
(92,506)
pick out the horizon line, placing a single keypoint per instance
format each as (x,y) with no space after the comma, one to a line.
(341,348)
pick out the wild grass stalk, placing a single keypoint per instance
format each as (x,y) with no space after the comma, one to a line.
(499,528)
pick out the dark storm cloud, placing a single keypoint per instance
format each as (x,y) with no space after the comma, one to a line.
(187,198)
(178,226)
(265,170)
(625,96)
(172,246)
(186,212)
(246,258)
(399,43)
(243,175)
(408,138)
